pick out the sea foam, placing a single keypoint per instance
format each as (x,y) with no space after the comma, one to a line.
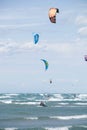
(11,128)
(69,117)
(58,128)
(31,118)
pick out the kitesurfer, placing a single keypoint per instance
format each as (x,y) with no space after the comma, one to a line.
(42,104)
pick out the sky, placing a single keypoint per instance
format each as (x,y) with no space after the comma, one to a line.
(62,44)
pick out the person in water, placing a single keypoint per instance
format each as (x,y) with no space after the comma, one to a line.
(42,104)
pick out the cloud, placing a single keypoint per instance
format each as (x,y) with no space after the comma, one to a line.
(10,46)
(19,13)
(12,17)
(15,18)
(16,26)
(69,48)
(62,47)
(7,46)
(75,47)
(68,80)
(83,31)
(81,20)
(3,50)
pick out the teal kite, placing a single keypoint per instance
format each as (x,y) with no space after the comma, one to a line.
(46,63)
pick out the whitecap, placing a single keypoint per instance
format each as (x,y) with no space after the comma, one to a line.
(6,101)
(11,128)
(6,96)
(41,94)
(69,117)
(58,96)
(33,98)
(31,118)
(84,126)
(58,128)
(80,104)
(63,103)
(54,99)
(27,103)
(82,96)
(12,94)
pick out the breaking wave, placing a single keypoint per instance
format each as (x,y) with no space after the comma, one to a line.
(69,117)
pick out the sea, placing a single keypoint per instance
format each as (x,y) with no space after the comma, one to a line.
(22,111)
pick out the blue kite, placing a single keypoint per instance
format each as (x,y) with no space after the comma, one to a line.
(36,38)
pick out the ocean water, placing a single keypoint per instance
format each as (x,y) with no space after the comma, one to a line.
(62,112)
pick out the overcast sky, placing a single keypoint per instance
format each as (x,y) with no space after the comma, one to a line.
(63,45)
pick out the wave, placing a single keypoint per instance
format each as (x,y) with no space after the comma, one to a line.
(57,117)
(8,95)
(27,103)
(6,101)
(80,127)
(63,103)
(80,104)
(46,128)
(43,97)
(60,96)
(54,99)
(57,128)
(4,96)
(19,103)
(69,117)
(31,118)
(68,97)
(11,128)
(12,94)
(84,126)
(82,96)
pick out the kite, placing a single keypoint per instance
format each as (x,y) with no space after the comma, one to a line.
(52,14)
(45,63)
(36,38)
(85,57)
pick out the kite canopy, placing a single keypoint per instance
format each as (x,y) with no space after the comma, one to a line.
(50,81)
(36,38)
(52,14)
(85,57)
(46,64)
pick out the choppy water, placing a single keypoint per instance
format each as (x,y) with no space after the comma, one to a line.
(23,112)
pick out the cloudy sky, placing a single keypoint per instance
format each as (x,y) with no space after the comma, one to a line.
(63,45)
